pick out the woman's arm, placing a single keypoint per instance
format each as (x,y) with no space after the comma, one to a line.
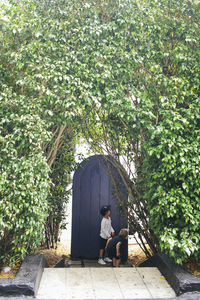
(117,249)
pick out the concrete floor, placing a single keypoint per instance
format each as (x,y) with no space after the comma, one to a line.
(103,283)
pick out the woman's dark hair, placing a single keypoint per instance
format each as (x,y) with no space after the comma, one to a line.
(104,210)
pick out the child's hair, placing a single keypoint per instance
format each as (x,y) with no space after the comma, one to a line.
(104,210)
(123,233)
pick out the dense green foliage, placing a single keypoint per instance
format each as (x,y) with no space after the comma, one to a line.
(171,147)
(34,119)
(147,112)
(24,179)
(63,165)
(125,74)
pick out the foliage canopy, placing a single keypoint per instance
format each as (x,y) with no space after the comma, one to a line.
(123,74)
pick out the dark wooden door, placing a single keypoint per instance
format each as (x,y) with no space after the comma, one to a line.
(92,188)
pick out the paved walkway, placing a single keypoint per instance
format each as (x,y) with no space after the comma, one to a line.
(103,283)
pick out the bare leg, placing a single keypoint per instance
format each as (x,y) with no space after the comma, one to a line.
(117,263)
(106,253)
(114,262)
(101,252)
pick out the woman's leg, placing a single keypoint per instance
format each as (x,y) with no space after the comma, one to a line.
(114,262)
(117,263)
(107,258)
(106,252)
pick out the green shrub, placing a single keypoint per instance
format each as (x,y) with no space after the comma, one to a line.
(174,183)
(24,180)
(63,165)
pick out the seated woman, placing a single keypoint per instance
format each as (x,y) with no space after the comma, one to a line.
(113,246)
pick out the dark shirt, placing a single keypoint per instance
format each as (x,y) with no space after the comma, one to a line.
(112,244)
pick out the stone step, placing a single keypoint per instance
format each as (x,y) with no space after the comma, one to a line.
(104,283)
(66,262)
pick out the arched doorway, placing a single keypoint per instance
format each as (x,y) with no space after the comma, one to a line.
(92,188)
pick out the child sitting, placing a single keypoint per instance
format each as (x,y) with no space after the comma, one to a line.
(106,232)
(113,246)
